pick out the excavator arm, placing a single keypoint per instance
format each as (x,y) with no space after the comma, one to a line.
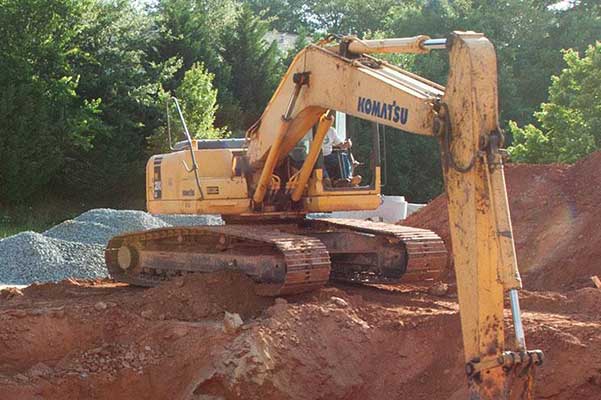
(480,225)
(464,117)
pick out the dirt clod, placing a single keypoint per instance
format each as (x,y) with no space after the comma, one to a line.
(339,302)
(231,322)
(439,289)
(10,292)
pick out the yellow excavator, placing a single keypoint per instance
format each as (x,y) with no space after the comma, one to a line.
(266,184)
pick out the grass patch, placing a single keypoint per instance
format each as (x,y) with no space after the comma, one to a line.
(39,218)
(51,209)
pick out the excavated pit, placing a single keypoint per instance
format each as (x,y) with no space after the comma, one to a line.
(97,339)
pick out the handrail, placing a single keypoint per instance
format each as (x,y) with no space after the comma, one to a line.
(189,140)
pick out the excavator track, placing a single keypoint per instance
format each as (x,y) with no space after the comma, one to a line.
(283,258)
(414,254)
(281,263)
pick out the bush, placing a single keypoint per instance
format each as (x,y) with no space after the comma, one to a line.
(571,120)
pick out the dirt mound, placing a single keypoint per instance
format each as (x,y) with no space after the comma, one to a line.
(585,301)
(556,219)
(92,340)
(195,297)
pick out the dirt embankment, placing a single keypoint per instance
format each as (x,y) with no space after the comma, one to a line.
(556,216)
(101,340)
(106,341)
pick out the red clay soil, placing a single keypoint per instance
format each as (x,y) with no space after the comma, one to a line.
(556,216)
(100,340)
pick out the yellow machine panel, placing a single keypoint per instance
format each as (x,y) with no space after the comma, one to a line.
(172,187)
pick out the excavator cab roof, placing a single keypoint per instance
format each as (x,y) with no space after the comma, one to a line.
(213,144)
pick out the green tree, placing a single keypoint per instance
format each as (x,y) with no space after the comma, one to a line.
(329,16)
(117,42)
(527,34)
(571,120)
(347,16)
(192,30)
(42,118)
(255,66)
(198,100)
(504,24)
(283,15)
(412,166)
(199,103)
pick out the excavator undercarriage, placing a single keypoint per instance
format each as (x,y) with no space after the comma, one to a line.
(283,258)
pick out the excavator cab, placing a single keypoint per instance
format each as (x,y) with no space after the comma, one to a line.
(352,163)
(340,169)
(310,180)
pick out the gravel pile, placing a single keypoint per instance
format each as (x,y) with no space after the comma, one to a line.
(82,232)
(122,220)
(30,257)
(75,248)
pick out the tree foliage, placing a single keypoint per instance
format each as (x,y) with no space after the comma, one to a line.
(199,103)
(255,66)
(571,120)
(42,117)
(528,36)
(331,16)
(283,15)
(84,82)
(192,31)
(81,95)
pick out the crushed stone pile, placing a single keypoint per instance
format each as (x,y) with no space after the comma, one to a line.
(29,257)
(98,226)
(75,248)
(556,217)
(82,232)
